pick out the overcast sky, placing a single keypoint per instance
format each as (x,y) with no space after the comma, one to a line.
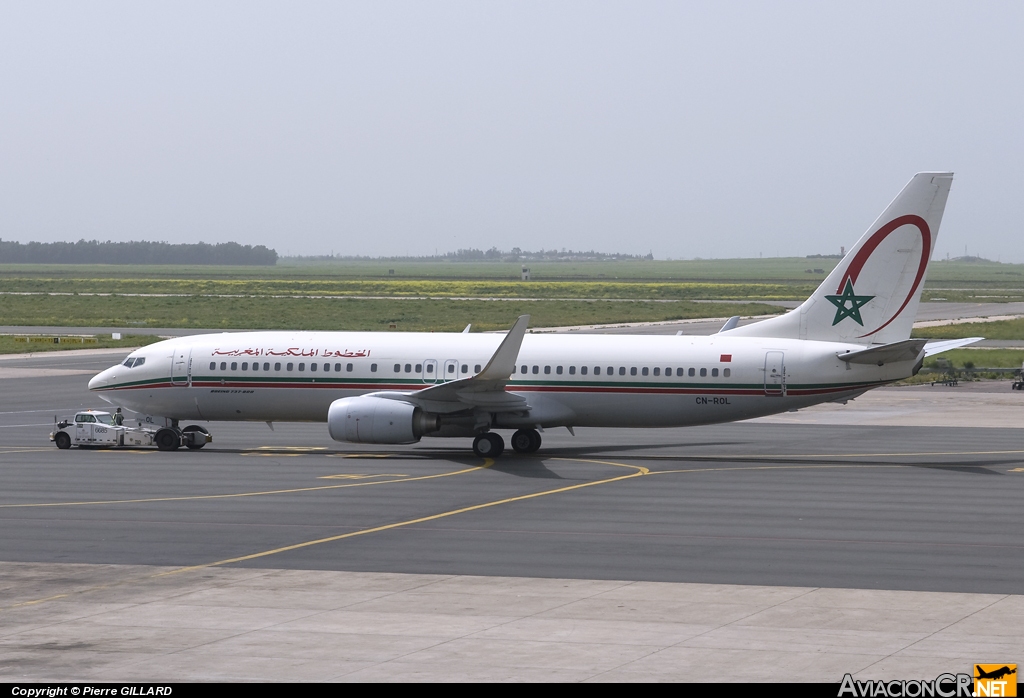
(688,129)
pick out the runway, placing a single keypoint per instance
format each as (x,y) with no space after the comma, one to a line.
(881,494)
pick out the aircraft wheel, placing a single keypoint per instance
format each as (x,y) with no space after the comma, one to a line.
(168,440)
(488,445)
(526,441)
(62,440)
(190,441)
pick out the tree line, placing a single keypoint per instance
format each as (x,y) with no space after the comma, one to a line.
(134,252)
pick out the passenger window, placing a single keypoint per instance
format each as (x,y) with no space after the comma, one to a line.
(726,372)
(234,365)
(465,368)
(245,365)
(291,367)
(547,369)
(223,365)
(714,372)
(255,365)
(419,368)
(337,368)
(597,370)
(408,368)
(266,366)
(572,370)
(536,369)
(348,367)
(668,371)
(622,371)
(558,370)
(703,372)
(657,371)
(398,368)
(277,366)
(373,368)
(523,370)
(583,370)
(451,368)
(691,373)
(611,370)
(302,366)
(430,368)
(476,369)
(312,366)
(213,365)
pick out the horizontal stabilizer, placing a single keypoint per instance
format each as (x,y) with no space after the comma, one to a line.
(907,350)
(945,345)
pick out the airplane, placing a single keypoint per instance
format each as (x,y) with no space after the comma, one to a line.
(851,335)
(996,674)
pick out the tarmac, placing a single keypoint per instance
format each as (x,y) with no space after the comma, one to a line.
(881,538)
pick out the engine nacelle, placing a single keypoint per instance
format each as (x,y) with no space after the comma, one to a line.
(377,420)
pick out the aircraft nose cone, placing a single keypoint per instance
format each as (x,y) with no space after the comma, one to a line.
(100,380)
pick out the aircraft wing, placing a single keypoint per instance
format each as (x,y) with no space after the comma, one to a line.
(947,344)
(486,389)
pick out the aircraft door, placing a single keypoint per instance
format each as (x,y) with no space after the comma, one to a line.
(774,373)
(181,364)
(451,370)
(429,371)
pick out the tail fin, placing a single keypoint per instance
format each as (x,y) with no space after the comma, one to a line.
(871,297)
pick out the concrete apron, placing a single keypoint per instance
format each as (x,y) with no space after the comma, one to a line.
(138,623)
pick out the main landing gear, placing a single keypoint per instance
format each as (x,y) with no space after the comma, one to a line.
(526,441)
(490,445)
(192,437)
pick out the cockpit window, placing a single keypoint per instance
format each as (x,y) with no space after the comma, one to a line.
(105,419)
(84,418)
(131,362)
(139,361)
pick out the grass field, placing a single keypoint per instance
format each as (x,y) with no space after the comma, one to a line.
(1001,329)
(409,288)
(786,270)
(321,295)
(8,344)
(978,358)
(344,313)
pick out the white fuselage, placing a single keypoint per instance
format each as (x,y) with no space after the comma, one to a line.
(568,380)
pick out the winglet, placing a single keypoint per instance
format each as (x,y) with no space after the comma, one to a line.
(501,365)
(730,323)
(466,331)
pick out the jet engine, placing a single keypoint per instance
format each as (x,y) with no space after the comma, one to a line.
(377,420)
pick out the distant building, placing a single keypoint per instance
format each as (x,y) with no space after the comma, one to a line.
(526,273)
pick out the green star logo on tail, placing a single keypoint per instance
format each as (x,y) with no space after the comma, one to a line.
(855,304)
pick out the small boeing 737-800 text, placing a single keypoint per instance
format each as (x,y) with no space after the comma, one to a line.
(851,335)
